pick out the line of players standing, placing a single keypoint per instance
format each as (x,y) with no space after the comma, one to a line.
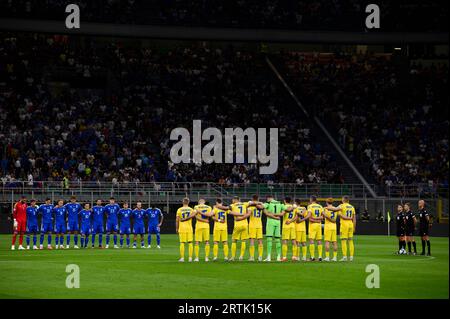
(70,219)
(406,222)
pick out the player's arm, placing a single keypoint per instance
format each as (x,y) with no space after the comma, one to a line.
(354,221)
(162,219)
(14,213)
(271,215)
(177,223)
(194,213)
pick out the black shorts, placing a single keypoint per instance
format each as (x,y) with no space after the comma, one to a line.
(409,231)
(400,232)
(424,231)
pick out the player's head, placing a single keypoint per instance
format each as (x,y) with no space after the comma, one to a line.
(345,199)
(270,198)
(399,208)
(255,198)
(185,201)
(33,202)
(23,199)
(329,201)
(99,202)
(407,207)
(287,200)
(421,204)
(73,199)
(112,200)
(313,199)
(87,206)
(201,201)
(138,205)
(298,202)
(125,205)
(218,201)
(60,202)
(48,200)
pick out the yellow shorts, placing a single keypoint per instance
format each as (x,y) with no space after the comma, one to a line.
(301,236)
(330,235)
(220,235)
(202,234)
(255,233)
(186,237)
(240,232)
(288,233)
(346,230)
(315,231)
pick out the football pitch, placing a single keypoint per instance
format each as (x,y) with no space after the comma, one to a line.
(153,273)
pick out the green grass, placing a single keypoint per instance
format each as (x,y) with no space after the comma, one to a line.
(152,273)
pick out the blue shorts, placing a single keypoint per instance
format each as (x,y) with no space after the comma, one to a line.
(32,228)
(97,229)
(125,229)
(153,229)
(112,227)
(60,228)
(72,225)
(139,229)
(85,229)
(47,227)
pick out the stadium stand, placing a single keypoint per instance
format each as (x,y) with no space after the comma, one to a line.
(281,14)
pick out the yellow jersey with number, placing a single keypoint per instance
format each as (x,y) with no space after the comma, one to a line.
(302,212)
(346,210)
(330,224)
(289,215)
(203,209)
(220,214)
(255,217)
(241,209)
(316,210)
(185,226)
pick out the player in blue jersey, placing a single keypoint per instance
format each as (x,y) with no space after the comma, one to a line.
(60,223)
(97,226)
(73,211)
(86,225)
(125,224)
(154,225)
(46,211)
(32,223)
(138,224)
(112,222)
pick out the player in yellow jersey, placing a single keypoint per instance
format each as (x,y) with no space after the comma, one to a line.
(184,228)
(347,220)
(240,230)
(288,230)
(300,228)
(255,229)
(330,232)
(220,232)
(202,231)
(315,215)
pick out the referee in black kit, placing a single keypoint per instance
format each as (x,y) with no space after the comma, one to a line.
(424,227)
(410,228)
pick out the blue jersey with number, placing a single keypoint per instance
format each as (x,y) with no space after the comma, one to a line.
(138,216)
(60,215)
(46,210)
(112,211)
(73,210)
(98,212)
(125,214)
(153,215)
(85,218)
(32,215)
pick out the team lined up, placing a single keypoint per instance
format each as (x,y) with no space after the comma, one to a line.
(286,223)
(70,219)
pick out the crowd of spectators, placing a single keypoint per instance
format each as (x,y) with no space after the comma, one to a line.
(117,128)
(390,115)
(349,15)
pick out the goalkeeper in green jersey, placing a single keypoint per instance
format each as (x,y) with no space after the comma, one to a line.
(273,210)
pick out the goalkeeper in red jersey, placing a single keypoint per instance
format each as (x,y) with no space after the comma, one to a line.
(20,221)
